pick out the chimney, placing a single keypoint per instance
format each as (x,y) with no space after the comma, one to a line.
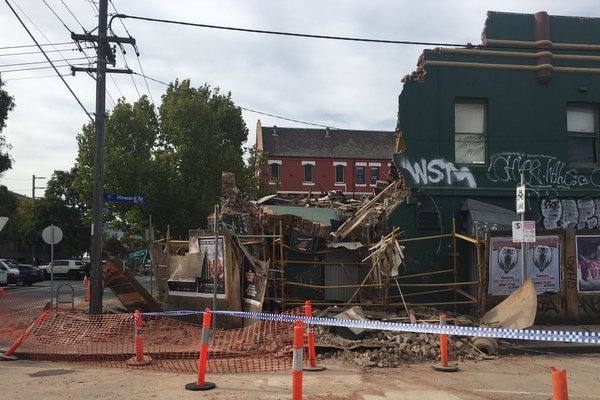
(327,132)
(274,130)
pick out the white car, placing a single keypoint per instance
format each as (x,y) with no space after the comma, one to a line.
(13,276)
(71,269)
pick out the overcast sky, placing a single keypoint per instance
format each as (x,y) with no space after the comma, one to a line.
(339,84)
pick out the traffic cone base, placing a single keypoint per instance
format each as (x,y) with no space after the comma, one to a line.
(144,361)
(314,369)
(447,368)
(195,387)
(8,358)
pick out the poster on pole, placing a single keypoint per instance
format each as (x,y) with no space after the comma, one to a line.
(520,199)
(543,263)
(505,270)
(206,245)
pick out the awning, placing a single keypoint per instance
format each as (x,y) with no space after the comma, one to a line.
(487,217)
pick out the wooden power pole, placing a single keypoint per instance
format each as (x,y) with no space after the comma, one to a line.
(104,56)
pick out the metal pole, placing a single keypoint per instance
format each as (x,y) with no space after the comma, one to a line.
(98,193)
(523,272)
(216,265)
(52,265)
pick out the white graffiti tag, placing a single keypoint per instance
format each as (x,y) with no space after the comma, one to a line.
(570,213)
(539,171)
(438,171)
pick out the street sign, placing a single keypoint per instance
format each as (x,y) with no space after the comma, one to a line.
(52,234)
(520,199)
(124,198)
(523,231)
(3,221)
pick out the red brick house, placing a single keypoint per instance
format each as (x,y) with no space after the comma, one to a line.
(307,162)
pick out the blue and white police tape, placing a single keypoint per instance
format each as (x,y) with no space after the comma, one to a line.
(475,331)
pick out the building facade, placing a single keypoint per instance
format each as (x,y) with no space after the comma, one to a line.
(476,122)
(308,162)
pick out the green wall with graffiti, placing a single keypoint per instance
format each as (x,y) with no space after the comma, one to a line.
(525,130)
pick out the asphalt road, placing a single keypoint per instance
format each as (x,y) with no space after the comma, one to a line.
(43,290)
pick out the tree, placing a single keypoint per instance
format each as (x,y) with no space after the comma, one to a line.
(6,105)
(202,134)
(175,162)
(131,134)
(60,206)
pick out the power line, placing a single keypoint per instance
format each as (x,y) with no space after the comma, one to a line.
(137,53)
(73,15)
(33,77)
(304,35)
(152,79)
(48,58)
(66,27)
(251,110)
(48,67)
(24,46)
(56,15)
(27,53)
(43,62)
(288,119)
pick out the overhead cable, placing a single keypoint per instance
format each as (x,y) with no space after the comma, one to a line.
(304,35)
(48,58)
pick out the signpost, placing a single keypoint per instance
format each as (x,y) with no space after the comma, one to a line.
(52,235)
(124,198)
(523,231)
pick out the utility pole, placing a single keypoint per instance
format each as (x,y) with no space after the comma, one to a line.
(33,187)
(104,55)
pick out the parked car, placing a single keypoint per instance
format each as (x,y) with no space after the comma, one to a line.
(13,276)
(30,274)
(72,269)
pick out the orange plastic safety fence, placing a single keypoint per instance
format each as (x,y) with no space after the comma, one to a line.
(17,312)
(172,345)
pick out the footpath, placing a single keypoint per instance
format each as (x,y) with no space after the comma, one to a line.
(526,377)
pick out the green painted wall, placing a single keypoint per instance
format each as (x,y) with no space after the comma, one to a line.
(526,132)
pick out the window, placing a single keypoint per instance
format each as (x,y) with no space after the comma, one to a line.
(582,134)
(308,171)
(469,131)
(374,175)
(360,175)
(339,173)
(274,172)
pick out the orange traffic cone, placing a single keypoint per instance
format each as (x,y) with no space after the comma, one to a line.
(85,281)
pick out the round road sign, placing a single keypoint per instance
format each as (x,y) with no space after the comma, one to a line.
(52,234)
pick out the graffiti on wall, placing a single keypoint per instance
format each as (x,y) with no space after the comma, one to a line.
(539,171)
(437,171)
(570,213)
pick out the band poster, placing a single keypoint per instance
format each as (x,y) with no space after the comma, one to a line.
(542,263)
(206,245)
(588,263)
